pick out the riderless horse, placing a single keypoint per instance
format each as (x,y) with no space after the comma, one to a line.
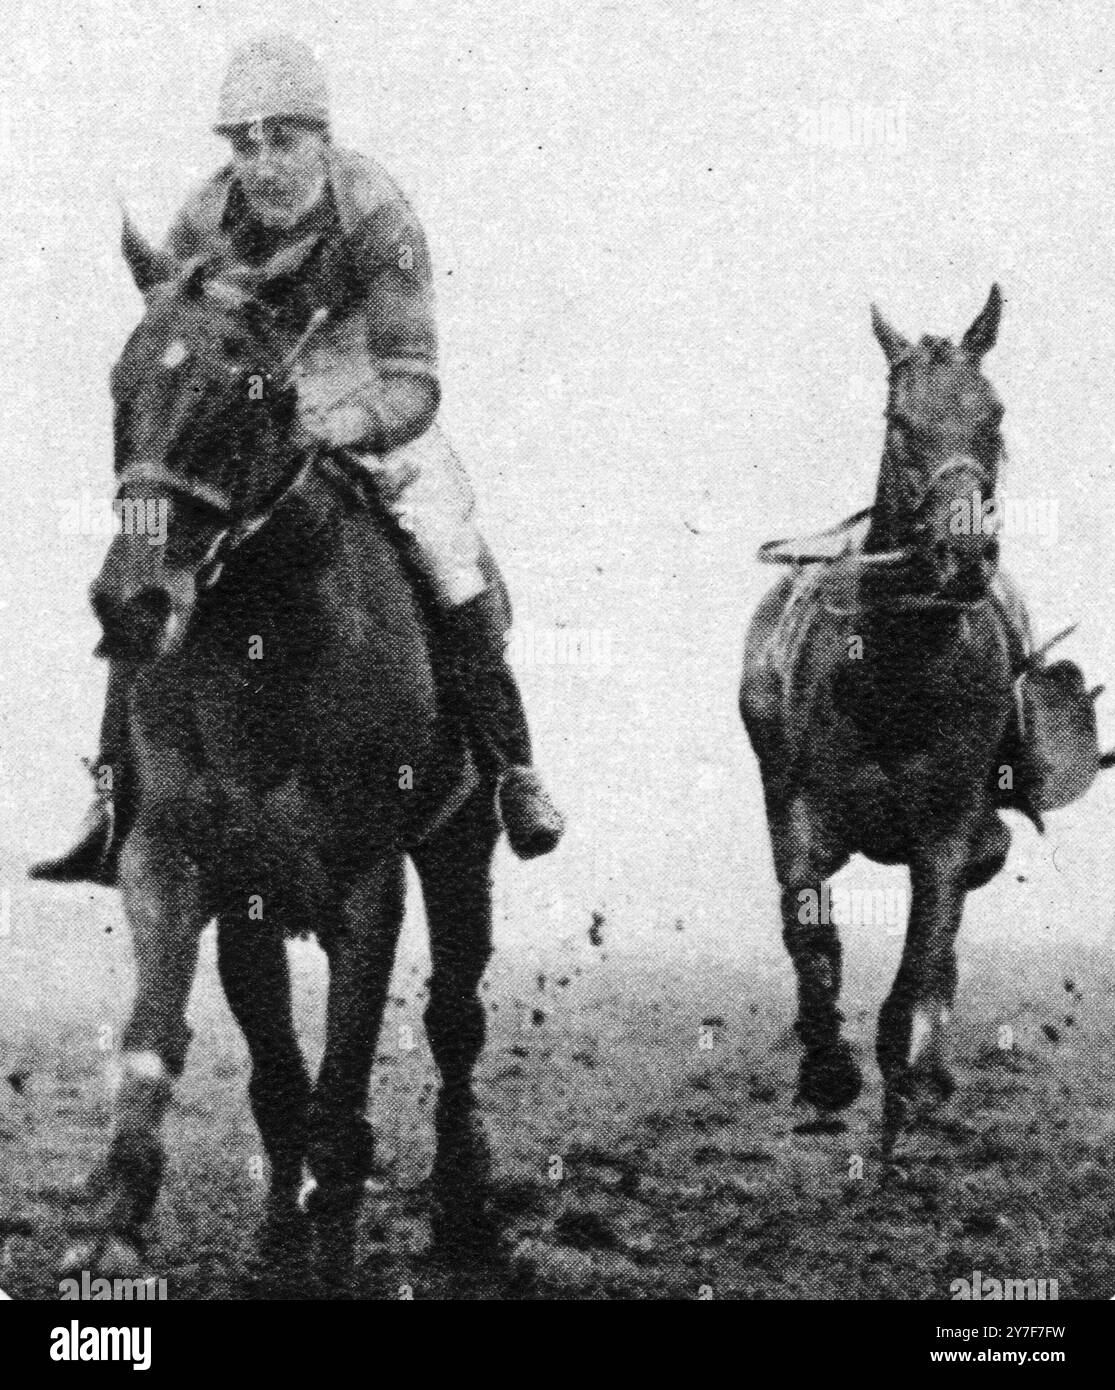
(880,690)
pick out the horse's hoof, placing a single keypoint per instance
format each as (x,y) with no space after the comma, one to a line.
(335,1255)
(463,1160)
(930,1087)
(285,1233)
(462,1226)
(897,1115)
(283,1249)
(830,1078)
(464,1232)
(108,1256)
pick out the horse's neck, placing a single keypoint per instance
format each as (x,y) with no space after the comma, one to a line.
(323,549)
(273,571)
(881,534)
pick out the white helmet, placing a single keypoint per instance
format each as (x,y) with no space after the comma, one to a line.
(273,74)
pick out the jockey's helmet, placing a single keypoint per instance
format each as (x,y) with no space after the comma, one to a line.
(273,74)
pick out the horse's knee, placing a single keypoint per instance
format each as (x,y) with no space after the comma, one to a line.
(809,941)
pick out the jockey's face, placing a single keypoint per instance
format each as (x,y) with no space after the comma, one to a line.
(280,165)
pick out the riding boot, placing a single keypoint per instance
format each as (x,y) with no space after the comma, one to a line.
(497,727)
(93,859)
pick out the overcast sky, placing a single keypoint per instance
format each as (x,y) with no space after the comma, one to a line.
(657,229)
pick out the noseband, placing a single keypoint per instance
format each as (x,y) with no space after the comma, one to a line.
(963,463)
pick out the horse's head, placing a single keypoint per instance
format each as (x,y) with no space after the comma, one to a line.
(203,410)
(940,466)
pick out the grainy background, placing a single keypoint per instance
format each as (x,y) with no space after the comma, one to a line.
(653,291)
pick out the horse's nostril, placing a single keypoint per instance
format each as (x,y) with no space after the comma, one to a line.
(107,609)
(132,625)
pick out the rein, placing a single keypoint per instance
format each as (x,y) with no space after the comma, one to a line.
(776,553)
(232,535)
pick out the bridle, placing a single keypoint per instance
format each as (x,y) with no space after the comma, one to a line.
(960,463)
(235,530)
(857,563)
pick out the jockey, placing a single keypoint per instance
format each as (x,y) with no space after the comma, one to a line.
(367,384)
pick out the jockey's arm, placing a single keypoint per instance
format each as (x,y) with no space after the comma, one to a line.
(368,380)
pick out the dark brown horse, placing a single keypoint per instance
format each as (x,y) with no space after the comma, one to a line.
(289,748)
(878,695)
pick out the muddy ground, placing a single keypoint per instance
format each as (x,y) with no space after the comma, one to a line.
(682,1167)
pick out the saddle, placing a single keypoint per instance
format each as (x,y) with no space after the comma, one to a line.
(1058,733)
(1052,742)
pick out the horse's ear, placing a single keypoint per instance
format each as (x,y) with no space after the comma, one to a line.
(148,266)
(980,338)
(193,275)
(890,340)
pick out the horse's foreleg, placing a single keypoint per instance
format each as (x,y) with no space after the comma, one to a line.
(909,1044)
(933,1078)
(361,951)
(455,869)
(165,909)
(255,974)
(830,1077)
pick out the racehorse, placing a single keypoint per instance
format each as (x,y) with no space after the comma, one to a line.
(878,694)
(289,749)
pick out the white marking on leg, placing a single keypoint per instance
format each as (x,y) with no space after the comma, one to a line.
(143,1092)
(146,1065)
(140,1066)
(921,1031)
